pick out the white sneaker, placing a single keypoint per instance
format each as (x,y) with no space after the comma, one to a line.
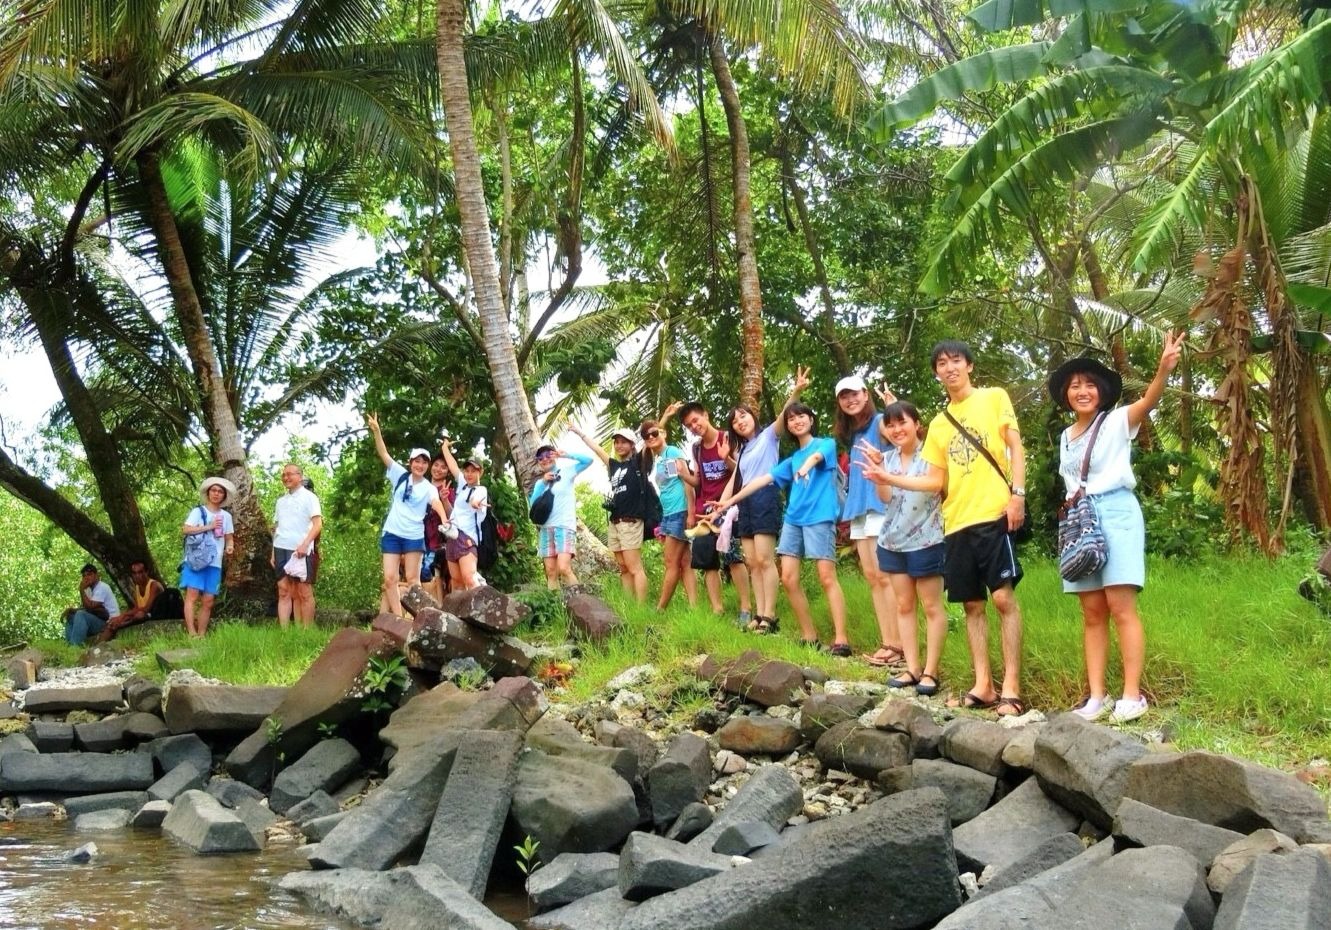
(1093,708)
(1125,710)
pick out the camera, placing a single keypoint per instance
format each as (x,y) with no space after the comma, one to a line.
(608,502)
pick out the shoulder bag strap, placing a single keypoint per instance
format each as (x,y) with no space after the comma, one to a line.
(1090,444)
(974,441)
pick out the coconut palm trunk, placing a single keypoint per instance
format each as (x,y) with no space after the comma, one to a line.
(746,255)
(248,574)
(500,355)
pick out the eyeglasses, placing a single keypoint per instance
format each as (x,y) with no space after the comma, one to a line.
(652,434)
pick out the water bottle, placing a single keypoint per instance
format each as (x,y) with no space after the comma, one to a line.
(217,526)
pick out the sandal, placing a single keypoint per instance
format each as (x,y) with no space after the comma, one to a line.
(1016,706)
(904,680)
(766,626)
(894,656)
(924,690)
(841,650)
(972,701)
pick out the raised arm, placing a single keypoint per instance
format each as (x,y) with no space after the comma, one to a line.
(591,444)
(802,382)
(1169,359)
(446,447)
(372,421)
(667,413)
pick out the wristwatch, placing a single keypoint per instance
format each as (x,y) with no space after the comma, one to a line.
(1020,492)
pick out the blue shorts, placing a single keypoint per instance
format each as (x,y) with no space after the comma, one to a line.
(759,514)
(816,541)
(390,544)
(204,580)
(917,563)
(672,525)
(1125,543)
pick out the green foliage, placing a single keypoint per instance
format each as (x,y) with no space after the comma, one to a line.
(526,855)
(273,729)
(384,680)
(547,610)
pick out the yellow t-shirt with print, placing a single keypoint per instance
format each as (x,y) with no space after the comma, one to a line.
(975,491)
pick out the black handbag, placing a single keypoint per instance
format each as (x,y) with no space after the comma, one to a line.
(1021,533)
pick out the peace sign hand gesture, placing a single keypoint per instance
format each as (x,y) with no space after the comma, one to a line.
(872,455)
(802,379)
(1173,350)
(885,395)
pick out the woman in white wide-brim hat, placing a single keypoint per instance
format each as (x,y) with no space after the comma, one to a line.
(201,584)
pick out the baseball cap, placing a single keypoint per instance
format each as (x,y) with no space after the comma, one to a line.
(625,434)
(418,452)
(850,383)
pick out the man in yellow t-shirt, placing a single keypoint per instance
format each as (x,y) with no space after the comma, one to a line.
(980,509)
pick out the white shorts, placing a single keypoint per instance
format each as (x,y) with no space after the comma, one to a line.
(866,525)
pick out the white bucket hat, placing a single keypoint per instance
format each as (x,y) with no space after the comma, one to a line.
(219,482)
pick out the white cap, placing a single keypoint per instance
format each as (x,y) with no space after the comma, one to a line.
(850,383)
(418,451)
(626,434)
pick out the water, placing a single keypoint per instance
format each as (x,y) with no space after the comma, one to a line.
(142,881)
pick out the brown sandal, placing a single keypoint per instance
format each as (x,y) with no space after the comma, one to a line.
(1015,706)
(894,657)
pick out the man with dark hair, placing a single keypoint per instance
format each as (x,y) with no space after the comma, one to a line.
(985,501)
(711,455)
(146,590)
(98,606)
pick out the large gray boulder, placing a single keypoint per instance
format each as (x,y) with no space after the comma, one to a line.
(170,751)
(977,744)
(571,806)
(74,772)
(51,735)
(862,751)
(556,737)
(103,821)
(1011,829)
(397,815)
(486,609)
(1227,792)
(820,712)
(16,742)
(571,876)
(220,708)
(679,778)
(770,796)
(619,736)
(231,792)
(326,767)
(1292,892)
(200,822)
(1053,852)
(111,800)
(176,782)
(883,867)
(106,735)
(600,911)
(100,699)
(1138,824)
(471,813)
(420,897)
(1230,862)
(1162,888)
(1084,766)
(150,815)
(968,791)
(438,637)
(650,865)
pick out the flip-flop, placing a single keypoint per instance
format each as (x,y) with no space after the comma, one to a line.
(894,657)
(1017,706)
(971,701)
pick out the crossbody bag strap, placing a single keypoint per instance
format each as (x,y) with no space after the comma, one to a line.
(970,437)
(1090,444)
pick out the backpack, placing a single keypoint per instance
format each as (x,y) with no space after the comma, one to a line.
(169,605)
(200,548)
(652,515)
(487,546)
(543,507)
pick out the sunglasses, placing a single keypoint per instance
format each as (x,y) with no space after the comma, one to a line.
(651,434)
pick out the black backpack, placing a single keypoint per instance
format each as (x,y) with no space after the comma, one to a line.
(542,507)
(652,515)
(487,547)
(168,605)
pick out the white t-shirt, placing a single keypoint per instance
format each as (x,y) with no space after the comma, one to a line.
(200,516)
(294,513)
(101,593)
(1111,459)
(466,517)
(406,518)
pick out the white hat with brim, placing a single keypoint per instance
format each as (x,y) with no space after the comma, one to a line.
(219,482)
(419,453)
(626,434)
(850,383)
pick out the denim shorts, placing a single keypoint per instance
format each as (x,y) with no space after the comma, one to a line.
(1125,543)
(672,525)
(391,544)
(816,541)
(917,563)
(759,514)
(204,580)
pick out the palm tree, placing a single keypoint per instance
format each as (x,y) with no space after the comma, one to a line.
(1126,82)
(127,91)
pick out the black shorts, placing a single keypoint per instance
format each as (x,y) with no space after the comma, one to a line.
(979,559)
(703,555)
(759,514)
(280,557)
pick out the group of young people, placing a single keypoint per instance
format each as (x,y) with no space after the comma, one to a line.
(932,513)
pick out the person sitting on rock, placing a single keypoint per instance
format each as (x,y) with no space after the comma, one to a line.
(146,591)
(98,607)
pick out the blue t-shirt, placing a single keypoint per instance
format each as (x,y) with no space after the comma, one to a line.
(669,485)
(200,516)
(759,455)
(406,518)
(861,495)
(813,499)
(564,514)
(911,519)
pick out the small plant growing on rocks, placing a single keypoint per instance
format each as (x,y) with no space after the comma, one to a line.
(385,678)
(528,863)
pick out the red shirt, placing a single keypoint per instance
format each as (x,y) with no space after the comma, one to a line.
(713,473)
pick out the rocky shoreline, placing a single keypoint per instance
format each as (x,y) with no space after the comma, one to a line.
(790,801)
